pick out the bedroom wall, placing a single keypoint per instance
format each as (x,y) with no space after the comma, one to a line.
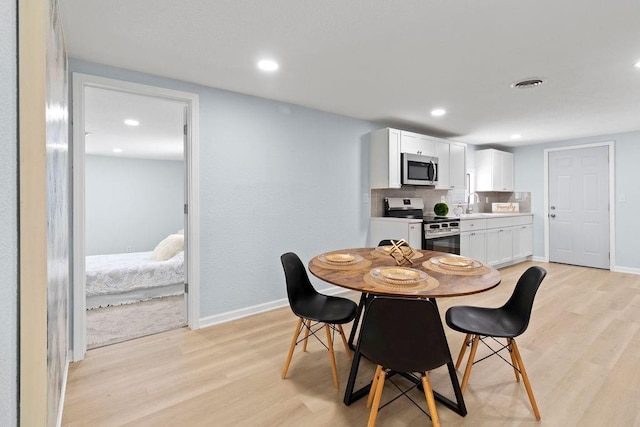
(8,216)
(274,177)
(131,204)
(529,173)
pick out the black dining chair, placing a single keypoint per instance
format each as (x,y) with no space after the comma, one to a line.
(363,297)
(509,321)
(314,310)
(403,336)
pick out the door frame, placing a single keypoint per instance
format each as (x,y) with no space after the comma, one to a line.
(80,83)
(612,205)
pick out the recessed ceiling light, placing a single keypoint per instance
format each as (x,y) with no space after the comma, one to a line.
(131,122)
(438,112)
(268,65)
(117,150)
(637,64)
(516,136)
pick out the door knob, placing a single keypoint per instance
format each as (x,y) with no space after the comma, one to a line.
(552,215)
(553,208)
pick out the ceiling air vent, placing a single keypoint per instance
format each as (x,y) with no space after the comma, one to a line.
(524,84)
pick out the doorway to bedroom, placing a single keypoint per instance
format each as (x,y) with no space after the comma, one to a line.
(134,174)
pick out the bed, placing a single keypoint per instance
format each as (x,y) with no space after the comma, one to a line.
(131,277)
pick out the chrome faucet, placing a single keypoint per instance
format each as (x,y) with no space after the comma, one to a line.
(469,208)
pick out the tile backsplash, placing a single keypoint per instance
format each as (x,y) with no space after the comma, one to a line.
(450,197)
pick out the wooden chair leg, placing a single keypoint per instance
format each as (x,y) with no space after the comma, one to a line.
(525,379)
(472,356)
(514,362)
(344,340)
(431,402)
(285,368)
(462,350)
(376,399)
(374,384)
(332,357)
(306,334)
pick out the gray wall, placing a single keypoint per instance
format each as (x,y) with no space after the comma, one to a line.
(273,178)
(529,175)
(131,204)
(8,215)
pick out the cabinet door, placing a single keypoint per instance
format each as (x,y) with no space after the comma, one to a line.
(415,236)
(457,165)
(494,170)
(384,158)
(416,143)
(522,241)
(527,240)
(444,164)
(394,159)
(506,164)
(505,245)
(492,244)
(477,246)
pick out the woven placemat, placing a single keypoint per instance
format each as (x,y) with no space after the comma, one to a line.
(456,271)
(330,266)
(424,285)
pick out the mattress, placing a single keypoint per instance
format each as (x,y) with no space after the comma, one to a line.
(124,273)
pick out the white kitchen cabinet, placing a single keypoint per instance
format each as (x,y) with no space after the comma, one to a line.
(451,165)
(497,241)
(473,245)
(383,228)
(494,170)
(415,143)
(384,158)
(499,245)
(523,239)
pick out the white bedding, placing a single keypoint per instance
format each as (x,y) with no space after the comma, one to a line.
(131,274)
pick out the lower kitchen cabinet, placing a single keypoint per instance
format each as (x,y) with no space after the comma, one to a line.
(472,245)
(499,245)
(522,241)
(497,241)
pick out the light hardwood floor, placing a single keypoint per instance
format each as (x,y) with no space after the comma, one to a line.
(582,353)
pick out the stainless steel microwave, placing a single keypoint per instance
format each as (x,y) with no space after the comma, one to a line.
(419,170)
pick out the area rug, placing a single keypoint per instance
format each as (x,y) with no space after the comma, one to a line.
(109,325)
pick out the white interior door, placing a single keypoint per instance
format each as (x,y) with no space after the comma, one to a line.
(579,206)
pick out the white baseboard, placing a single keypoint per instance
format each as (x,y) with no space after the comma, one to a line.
(217,319)
(629,270)
(539,259)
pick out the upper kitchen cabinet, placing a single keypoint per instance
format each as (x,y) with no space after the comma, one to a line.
(494,170)
(415,143)
(384,158)
(451,165)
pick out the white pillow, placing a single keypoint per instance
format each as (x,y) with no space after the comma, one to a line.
(168,248)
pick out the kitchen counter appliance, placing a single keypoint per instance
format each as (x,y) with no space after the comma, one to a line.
(419,170)
(441,234)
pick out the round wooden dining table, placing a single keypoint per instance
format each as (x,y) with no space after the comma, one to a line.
(361,271)
(450,283)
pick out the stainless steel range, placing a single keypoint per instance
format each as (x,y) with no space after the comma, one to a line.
(441,234)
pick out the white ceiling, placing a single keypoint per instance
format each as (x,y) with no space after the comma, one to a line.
(159,134)
(392,61)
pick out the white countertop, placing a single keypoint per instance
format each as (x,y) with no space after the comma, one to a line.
(461,217)
(492,215)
